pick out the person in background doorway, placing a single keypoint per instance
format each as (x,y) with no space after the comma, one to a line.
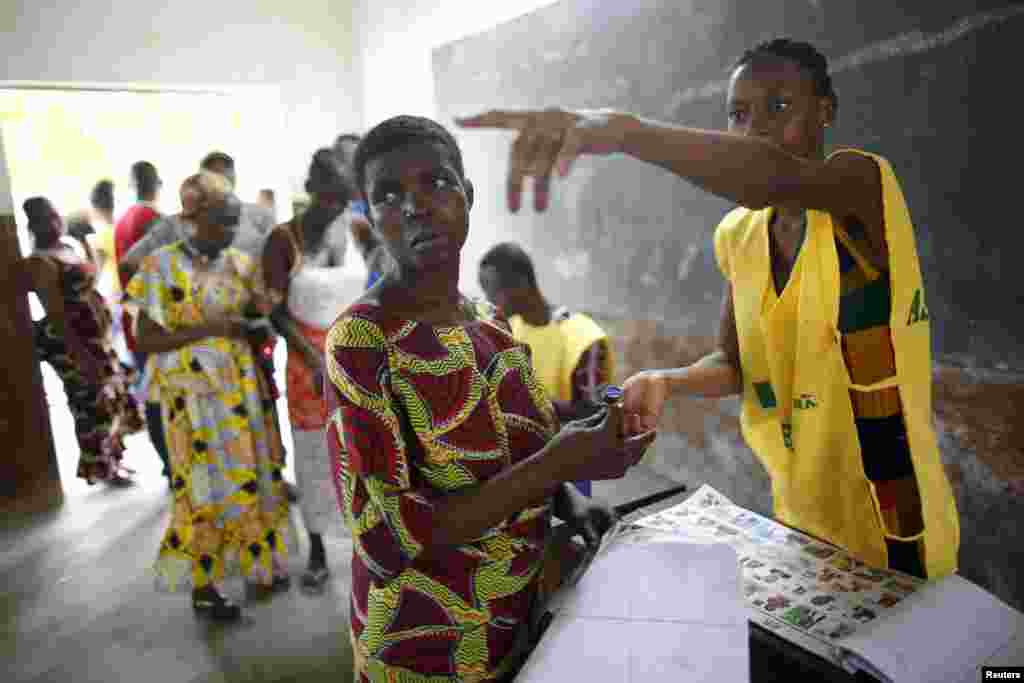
(373,253)
(267,200)
(302,263)
(230,513)
(571,354)
(256,221)
(101,201)
(141,216)
(79,228)
(136,222)
(132,226)
(74,338)
(171,228)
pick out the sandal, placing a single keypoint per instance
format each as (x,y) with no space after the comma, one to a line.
(262,591)
(210,602)
(118,479)
(315,579)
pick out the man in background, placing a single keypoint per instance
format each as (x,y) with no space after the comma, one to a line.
(138,220)
(572,356)
(132,227)
(256,221)
(101,201)
(268,201)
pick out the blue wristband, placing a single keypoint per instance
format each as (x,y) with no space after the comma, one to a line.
(612,394)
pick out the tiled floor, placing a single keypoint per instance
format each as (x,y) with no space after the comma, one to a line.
(78,602)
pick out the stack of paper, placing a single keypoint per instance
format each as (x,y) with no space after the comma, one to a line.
(659,612)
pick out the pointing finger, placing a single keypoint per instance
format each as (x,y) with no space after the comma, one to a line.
(497,118)
(571,148)
(518,169)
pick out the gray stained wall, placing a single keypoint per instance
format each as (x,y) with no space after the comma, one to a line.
(928,85)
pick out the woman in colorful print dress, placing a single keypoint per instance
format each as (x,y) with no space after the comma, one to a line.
(229,512)
(449,457)
(74,338)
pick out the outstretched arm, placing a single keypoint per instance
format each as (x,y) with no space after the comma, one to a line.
(716,375)
(751,171)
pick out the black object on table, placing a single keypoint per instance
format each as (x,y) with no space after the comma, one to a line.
(773,659)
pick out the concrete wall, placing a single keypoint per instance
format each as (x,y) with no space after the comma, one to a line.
(301,54)
(396,42)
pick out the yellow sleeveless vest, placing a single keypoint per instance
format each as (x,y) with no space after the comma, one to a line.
(796,410)
(556,349)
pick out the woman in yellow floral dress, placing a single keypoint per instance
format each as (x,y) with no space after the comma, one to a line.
(230,514)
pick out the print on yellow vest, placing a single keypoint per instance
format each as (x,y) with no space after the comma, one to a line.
(918,311)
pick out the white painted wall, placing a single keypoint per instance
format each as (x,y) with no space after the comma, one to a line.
(396,39)
(6,200)
(302,49)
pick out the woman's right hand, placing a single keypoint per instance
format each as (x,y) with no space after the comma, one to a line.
(598,448)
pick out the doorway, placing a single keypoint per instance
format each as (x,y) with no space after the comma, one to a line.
(60,139)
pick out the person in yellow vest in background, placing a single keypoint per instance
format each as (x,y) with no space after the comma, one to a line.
(825,328)
(571,354)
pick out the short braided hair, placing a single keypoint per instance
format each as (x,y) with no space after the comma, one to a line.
(512,264)
(400,131)
(102,196)
(804,54)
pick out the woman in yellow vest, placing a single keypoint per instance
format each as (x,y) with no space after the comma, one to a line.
(824,330)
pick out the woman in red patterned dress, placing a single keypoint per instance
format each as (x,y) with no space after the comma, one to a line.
(74,338)
(449,458)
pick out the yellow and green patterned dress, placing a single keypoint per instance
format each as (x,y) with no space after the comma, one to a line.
(417,413)
(230,514)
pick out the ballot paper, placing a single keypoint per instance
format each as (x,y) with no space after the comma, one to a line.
(649,612)
(945,632)
(893,626)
